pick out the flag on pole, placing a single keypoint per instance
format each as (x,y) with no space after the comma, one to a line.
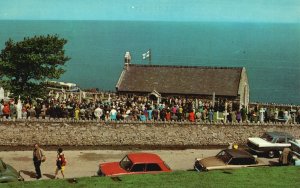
(147,55)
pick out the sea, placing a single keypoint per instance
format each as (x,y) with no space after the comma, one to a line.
(269,51)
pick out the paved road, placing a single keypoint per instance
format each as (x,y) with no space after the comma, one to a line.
(85,162)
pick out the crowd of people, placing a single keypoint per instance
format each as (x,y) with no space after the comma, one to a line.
(141,108)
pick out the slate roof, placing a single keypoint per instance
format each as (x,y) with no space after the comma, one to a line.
(193,80)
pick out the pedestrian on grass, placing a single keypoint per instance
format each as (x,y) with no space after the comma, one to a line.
(38,158)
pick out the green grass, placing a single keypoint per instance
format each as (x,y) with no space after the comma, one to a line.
(248,177)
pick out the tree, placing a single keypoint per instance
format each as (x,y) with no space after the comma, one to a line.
(25,65)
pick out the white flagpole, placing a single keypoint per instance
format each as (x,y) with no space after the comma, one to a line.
(149,56)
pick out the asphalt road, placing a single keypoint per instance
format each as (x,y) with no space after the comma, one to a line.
(85,162)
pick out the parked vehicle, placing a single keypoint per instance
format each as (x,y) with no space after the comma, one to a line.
(293,157)
(270,143)
(134,163)
(228,159)
(8,173)
(62,86)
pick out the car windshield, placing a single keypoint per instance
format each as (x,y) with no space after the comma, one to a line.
(225,157)
(267,137)
(125,163)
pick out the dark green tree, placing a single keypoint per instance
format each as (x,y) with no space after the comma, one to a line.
(25,65)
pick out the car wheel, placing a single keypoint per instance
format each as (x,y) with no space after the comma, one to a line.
(271,154)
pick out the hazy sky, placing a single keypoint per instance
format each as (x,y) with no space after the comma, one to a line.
(165,10)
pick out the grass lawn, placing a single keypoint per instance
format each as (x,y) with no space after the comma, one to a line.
(248,177)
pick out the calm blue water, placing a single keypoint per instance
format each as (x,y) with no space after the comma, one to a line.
(270,52)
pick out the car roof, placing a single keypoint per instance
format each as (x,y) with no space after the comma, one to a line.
(238,153)
(279,134)
(144,158)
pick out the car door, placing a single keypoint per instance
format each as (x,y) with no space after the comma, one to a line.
(153,168)
(138,168)
(234,163)
(241,162)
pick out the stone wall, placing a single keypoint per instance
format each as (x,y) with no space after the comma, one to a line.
(71,133)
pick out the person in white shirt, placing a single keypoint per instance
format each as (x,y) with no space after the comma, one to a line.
(98,112)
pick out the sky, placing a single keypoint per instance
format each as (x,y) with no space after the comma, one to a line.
(283,11)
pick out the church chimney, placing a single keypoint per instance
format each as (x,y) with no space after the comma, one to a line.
(127,60)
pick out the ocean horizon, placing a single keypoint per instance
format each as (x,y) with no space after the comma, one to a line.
(269,51)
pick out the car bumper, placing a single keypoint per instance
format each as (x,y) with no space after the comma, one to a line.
(198,167)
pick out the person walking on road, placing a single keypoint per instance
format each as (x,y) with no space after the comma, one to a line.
(38,158)
(60,163)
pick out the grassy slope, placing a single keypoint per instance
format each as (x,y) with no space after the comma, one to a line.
(250,177)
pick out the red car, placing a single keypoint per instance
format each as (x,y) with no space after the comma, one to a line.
(134,163)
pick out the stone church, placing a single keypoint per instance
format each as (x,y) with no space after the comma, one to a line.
(225,83)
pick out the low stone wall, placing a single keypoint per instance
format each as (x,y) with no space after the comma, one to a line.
(70,133)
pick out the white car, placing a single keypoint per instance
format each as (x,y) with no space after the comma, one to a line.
(270,143)
(294,154)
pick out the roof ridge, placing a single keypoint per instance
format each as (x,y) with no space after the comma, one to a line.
(185,66)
